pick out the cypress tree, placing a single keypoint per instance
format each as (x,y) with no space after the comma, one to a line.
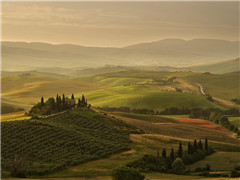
(57,99)
(200,145)
(180,150)
(195,146)
(206,144)
(83,99)
(164,154)
(63,99)
(172,155)
(72,96)
(79,102)
(42,101)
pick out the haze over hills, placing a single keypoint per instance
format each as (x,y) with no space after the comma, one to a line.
(167,52)
(232,65)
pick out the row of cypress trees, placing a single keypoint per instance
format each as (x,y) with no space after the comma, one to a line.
(62,100)
(191,149)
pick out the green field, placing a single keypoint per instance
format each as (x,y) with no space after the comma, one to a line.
(148,118)
(219,161)
(224,86)
(125,88)
(144,97)
(235,121)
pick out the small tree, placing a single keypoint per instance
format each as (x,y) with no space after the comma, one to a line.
(83,100)
(17,166)
(63,99)
(206,144)
(57,99)
(42,101)
(178,166)
(72,96)
(164,154)
(195,146)
(79,102)
(180,150)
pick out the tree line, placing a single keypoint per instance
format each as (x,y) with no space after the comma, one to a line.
(173,163)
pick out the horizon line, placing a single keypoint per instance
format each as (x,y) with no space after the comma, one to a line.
(56,44)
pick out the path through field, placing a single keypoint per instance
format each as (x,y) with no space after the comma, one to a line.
(201,88)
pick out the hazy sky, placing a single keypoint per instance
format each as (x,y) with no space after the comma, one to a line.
(118,23)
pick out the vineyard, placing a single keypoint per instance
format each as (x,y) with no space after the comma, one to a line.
(47,145)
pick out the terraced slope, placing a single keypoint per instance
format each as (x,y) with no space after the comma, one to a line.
(54,143)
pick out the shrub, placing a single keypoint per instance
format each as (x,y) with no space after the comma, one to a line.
(237,168)
(178,166)
(234,174)
(127,173)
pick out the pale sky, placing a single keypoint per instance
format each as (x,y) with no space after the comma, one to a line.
(118,23)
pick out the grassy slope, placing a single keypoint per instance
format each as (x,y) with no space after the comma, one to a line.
(219,161)
(56,142)
(26,90)
(14,116)
(143,97)
(225,86)
(235,121)
(220,67)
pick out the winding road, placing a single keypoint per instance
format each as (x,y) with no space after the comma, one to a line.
(201,88)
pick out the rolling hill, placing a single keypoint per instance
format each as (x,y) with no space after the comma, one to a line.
(47,145)
(143,89)
(168,52)
(144,97)
(219,67)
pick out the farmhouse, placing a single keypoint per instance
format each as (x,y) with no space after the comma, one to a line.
(70,101)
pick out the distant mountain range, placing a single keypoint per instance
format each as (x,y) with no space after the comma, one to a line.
(167,52)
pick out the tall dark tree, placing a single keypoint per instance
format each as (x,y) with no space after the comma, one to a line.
(180,150)
(172,155)
(195,146)
(57,99)
(63,99)
(42,101)
(79,102)
(190,148)
(200,145)
(83,100)
(164,154)
(72,96)
(206,144)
